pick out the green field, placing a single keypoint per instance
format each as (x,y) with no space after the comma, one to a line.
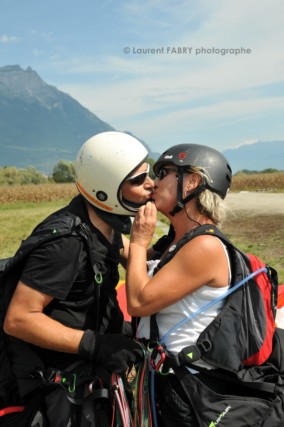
(262,235)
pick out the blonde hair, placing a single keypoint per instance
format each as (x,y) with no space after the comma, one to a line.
(208,202)
(212,205)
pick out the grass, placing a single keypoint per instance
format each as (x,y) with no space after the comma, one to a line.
(261,235)
(22,207)
(17,221)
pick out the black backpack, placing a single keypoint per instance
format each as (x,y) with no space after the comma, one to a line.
(56,226)
(242,343)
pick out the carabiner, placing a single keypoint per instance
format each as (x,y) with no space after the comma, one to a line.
(159,350)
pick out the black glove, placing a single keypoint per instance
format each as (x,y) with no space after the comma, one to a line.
(127,329)
(114,352)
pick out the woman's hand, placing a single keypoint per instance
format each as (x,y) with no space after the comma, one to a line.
(144,225)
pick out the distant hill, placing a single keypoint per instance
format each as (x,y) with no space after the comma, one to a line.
(40,125)
(257,156)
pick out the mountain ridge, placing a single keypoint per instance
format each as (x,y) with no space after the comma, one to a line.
(257,156)
(40,125)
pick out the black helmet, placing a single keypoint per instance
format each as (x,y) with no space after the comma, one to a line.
(214,165)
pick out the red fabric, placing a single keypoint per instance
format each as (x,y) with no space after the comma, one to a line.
(265,289)
(280,303)
(121,296)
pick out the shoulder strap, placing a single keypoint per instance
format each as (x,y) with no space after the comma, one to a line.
(43,233)
(55,226)
(97,261)
(208,229)
(52,228)
(205,229)
(241,272)
(67,223)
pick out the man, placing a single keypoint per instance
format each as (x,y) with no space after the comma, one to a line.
(59,307)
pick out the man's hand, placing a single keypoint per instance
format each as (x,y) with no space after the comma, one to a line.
(114,352)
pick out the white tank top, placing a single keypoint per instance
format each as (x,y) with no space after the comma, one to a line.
(168,317)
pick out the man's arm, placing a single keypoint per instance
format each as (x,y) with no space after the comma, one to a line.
(25,320)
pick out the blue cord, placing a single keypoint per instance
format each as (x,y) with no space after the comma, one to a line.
(153,403)
(215,301)
(205,307)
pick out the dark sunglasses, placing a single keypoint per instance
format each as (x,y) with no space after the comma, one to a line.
(140,178)
(163,172)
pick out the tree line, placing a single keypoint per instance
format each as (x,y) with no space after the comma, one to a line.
(64,172)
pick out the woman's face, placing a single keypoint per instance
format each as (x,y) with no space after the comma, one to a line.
(138,187)
(165,189)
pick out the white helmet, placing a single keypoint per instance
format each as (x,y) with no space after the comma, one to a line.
(102,164)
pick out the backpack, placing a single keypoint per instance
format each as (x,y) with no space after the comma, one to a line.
(54,227)
(242,343)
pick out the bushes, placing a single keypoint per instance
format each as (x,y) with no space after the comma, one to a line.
(10,175)
(63,172)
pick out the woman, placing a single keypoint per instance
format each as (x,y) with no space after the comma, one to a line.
(192,181)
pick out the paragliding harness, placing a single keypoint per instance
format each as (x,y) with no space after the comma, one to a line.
(21,398)
(241,344)
(132,397)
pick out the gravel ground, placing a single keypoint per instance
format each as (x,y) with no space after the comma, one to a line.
(256,203)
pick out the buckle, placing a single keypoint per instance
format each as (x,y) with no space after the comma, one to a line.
(54,375)
(192,353)
(189,355)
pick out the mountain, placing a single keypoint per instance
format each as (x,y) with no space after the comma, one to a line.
(256,156)
(40,125)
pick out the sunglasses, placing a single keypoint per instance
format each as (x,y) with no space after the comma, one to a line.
(163,172)
(140,178)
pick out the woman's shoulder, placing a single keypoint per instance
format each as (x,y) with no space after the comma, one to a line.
(201,243)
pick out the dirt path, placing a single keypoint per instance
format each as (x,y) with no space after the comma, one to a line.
(256,203)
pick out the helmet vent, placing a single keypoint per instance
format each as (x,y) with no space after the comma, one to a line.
(102,196)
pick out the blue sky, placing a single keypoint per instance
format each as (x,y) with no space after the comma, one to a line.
(169,71)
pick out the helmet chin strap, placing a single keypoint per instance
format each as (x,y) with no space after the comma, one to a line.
(131,205)
(180,201)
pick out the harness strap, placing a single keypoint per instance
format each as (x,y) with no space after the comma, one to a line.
(71,378)
(97,265)
(189,354)
(182,371)
(154,329)
(102,393)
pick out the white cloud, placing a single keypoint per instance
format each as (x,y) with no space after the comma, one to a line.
(4,38)
(217,115)
(148,82)
(38,52)
(156,94)
(250,142)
